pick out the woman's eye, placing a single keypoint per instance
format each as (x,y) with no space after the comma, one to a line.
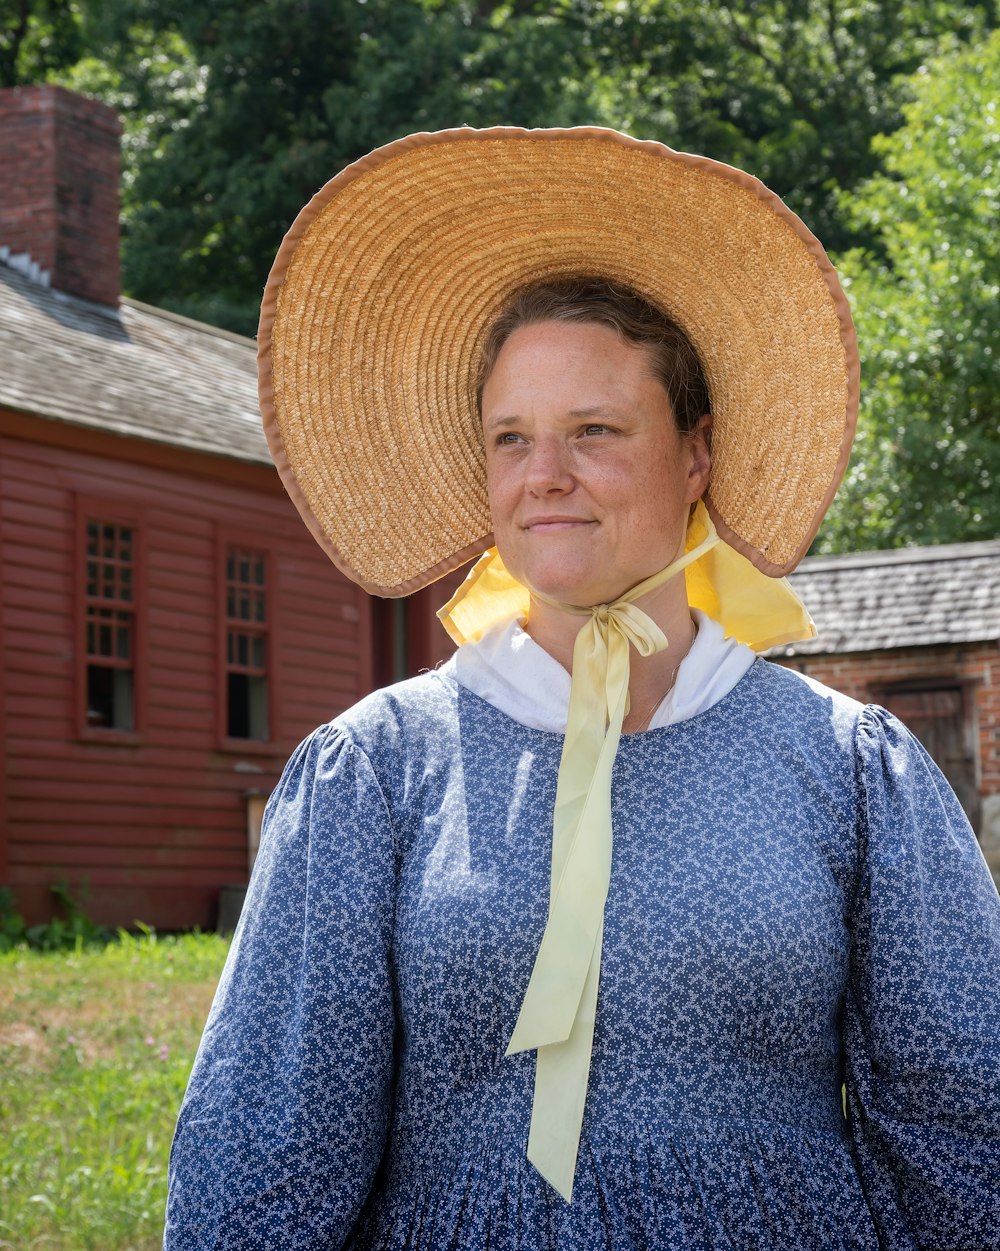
(596,429)
(507,438)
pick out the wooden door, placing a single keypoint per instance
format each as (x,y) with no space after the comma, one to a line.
(941,718)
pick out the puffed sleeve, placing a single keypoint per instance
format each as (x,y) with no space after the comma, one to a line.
(285,1116)
(922,1013)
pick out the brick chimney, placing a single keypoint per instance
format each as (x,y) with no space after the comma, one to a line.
(59,166)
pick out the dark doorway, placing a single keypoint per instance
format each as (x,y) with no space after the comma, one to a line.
(942,717)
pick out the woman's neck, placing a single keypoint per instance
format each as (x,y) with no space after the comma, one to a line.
(650,677)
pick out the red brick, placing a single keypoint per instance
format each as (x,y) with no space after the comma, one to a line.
(59,195)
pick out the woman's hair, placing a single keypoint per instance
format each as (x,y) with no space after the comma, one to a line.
(588,299)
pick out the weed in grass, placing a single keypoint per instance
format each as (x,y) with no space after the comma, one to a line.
(95,1049)
(70,928)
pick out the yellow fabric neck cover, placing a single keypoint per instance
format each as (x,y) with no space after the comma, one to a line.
(558,1012)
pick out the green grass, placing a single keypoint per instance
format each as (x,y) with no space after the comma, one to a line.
(95,1050)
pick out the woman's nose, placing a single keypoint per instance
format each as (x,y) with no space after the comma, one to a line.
(548,468)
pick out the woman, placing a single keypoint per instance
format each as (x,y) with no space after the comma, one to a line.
(573,942)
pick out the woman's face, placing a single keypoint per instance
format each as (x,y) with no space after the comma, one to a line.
(589,481)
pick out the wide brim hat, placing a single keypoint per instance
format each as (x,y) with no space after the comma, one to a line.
(375,310)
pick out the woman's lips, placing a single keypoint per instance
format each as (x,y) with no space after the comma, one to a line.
(549,525)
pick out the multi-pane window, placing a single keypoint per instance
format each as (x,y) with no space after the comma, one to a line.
(246,644)
(110,625)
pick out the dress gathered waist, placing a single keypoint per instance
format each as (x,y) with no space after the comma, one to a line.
(667,1099)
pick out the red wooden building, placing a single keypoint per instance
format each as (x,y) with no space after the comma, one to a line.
(169,630)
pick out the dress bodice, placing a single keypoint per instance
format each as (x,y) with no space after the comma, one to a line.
(789,871)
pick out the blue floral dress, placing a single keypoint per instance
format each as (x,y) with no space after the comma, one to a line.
(797,904)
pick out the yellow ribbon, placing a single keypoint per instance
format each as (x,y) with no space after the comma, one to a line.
(560,1005)
(559,1008)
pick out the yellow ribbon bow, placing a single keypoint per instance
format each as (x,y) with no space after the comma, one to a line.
(559,1009)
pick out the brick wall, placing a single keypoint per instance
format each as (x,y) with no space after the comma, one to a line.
(59,153)
(975,666)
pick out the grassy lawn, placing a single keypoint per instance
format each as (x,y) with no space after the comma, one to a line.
(95,1050)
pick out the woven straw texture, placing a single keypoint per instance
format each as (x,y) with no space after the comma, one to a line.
(379,297)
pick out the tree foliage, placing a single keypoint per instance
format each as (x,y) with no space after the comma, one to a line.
(236,112)
(927,462)
(37,38)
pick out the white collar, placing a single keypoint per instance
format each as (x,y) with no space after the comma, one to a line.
(508,669)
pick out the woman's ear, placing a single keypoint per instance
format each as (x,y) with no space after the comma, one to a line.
(700,467)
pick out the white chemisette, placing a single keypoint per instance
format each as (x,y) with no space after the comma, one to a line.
(508,669)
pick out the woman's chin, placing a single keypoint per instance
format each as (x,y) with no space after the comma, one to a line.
(582,589)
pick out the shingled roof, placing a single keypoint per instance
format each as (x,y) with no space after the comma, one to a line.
(909,597)
(136,371)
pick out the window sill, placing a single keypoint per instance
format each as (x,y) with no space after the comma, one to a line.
(249,747)
(112,738)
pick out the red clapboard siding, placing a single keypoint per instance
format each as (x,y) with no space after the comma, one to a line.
(146,841)
(151,825)
(26,518)
(114,882)
(26,622)
(126,856)
(24,564)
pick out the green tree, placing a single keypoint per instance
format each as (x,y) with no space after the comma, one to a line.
(237,112)
(927,463)
(37,38)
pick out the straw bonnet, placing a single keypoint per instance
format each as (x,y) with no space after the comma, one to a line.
(378,300)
